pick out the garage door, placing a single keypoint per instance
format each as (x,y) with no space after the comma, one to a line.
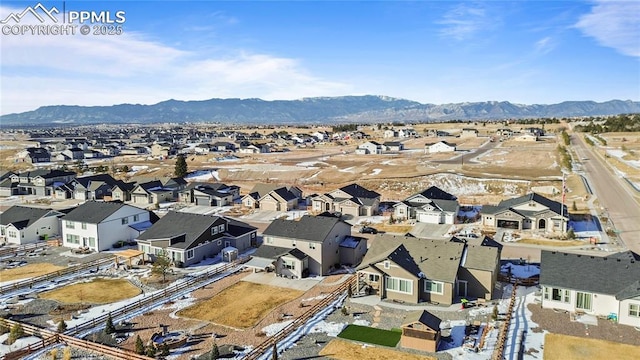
(429,218)
(202,201)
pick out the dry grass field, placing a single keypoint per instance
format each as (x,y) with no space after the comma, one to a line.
(563,347)
(28,271)
(345,350)
(559,243)
(97,291)
(234,307)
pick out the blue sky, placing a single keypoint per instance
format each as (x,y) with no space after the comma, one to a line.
(530,52)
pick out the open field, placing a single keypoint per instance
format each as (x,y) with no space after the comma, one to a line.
(371,335)
(233,307)
(28,271)
(570,347)
(345,350)
(96,291)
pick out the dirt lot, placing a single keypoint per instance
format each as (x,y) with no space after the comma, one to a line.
(564,347)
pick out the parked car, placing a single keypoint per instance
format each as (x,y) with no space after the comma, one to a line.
(368,230)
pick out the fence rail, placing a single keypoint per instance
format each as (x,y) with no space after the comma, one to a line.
(21,249)
(266,345)
(98,322)
(498,353)
(22,284)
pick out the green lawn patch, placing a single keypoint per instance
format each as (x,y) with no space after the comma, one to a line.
(371,335)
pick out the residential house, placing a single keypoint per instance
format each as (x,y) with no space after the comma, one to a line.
(99,225)
(439,147)
(421,331)
(317,240)
(393,146)
(209,194)
(369,147)
(390,133)
(433,206)
(151,192)
(94,187)
(223,146)
(418,270)
(40,182)
(504,132)
(121,191)
(407,133)
(202,149)
(528,212)
(162,150)
(190,238)
(352,200)
(34,155)
(74,153)
(275,197)
(602,286)
(23,225)
(469,133)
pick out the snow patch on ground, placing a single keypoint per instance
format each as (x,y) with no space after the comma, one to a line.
(521,271)
(203,175)
(329,328)
(376,171)
(349,170)
(273,329)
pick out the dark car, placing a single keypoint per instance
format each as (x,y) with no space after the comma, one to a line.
(368,230)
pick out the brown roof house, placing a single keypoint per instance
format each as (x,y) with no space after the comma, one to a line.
(415,270)
(421,331)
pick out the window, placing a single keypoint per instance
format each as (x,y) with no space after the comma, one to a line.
(634,310)
(583,301)
(125,220)
(73,239)
(556,294)
(136,217)
(374,277)
(269,240)
(189,254)
(92,241)
(253,235)
(221,228)
(70,224)
(12,233)
(399,285)
(387,264)
(434,287)
(312,246)
(214,230)
(219,242)
(84,226)
(291,265)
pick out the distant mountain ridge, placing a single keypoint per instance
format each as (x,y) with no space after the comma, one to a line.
(366,108)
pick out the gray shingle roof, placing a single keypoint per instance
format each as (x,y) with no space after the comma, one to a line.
(93,212)
(310,228)
(552,205)
(604,275)
(435,192)
(270,252)
(22,216)
(481,257)
(436,259)
(358,191)
(630,292)
(177,223)
(447,205)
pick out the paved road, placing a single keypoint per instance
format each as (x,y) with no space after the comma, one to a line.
(614,194)
(469,156)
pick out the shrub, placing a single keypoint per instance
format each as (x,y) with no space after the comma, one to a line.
(4,328)
(66,353)
(139,346)
(494,314)
(16,333)
(109,328)
(62,326)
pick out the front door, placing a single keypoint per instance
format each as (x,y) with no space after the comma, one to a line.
(462,288)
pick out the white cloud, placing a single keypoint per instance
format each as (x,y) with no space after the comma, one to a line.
(463,22)
(105,70)
(614,24)
(544,45)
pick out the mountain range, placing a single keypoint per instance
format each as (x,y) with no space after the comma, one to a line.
(343,109)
